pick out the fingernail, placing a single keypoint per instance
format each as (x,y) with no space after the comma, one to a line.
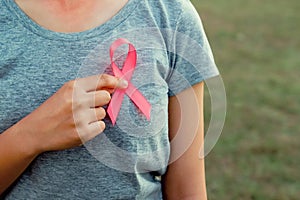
(123,83)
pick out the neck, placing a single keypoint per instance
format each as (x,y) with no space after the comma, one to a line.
(70,15)
(66,6)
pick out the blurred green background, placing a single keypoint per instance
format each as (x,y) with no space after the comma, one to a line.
(256,44)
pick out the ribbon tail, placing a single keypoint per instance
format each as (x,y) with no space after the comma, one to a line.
(139,100)
(115,105)
(127,71)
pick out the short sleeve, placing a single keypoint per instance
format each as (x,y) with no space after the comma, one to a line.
(191,59)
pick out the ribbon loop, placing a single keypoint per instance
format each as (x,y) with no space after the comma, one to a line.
(127,71)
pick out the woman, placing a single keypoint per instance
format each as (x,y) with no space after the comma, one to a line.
(55,88)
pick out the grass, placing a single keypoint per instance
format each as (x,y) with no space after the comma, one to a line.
(257,48)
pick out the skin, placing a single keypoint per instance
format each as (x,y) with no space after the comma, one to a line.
(185,177)
(69,16)
(52,126)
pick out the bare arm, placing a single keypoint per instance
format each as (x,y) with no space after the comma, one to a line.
(72,116)
(16,153)
(185,178)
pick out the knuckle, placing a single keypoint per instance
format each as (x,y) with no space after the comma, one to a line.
(76,105)
(78,122)
(82,134)
(67,92)
(68,103)
(103,79)
(69,85)
(107,80)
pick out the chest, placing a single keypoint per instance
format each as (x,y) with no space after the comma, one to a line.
(37,69)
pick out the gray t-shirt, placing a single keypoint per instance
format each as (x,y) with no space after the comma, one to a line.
(126,161)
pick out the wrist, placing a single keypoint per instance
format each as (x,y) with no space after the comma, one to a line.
(23,140)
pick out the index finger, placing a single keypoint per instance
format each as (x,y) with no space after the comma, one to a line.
(101,81)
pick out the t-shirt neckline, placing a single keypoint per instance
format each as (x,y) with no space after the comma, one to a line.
(107,26)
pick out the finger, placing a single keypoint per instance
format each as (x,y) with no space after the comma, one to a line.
(98,98)
(111,83)
(97,114)
(97,82)
(94,129)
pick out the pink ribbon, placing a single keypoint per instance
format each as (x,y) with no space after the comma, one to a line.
(134,94)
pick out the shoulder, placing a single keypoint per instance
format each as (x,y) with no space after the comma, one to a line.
(172,10)
(177,6)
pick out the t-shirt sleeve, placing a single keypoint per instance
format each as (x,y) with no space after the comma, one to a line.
(191,59)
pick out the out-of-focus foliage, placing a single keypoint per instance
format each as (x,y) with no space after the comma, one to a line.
(256,44)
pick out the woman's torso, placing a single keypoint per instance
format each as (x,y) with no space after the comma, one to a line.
(36,62)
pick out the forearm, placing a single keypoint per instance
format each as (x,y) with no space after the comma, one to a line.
(185,180)
(16,153)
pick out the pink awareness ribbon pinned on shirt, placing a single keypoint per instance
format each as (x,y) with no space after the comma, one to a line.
(127,70)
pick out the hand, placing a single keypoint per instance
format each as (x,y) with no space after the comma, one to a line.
(72,116)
